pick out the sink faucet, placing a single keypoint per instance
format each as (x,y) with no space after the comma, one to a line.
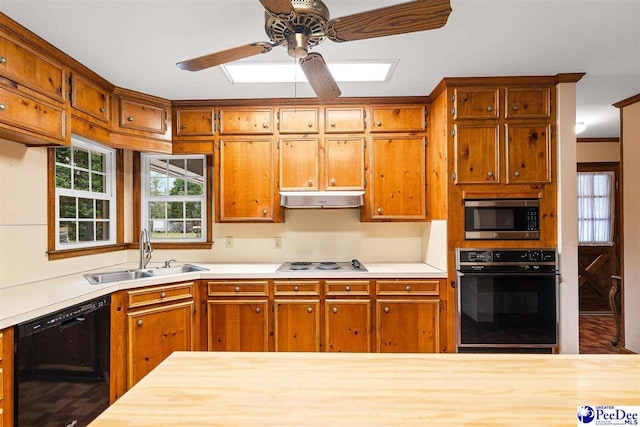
(167,264)
(145,248)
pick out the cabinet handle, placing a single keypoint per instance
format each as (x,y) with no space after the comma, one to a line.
(347,288)
(265,125)
(102,109)
(490,174)
(130,118)
(516,108)
(407,288)
(489,108)
(3,107)
(257,309)
(386,309)
(333,124)
(162,295)
(310,309)
(333,181)
(139,322)
(516,173)
(379,210)
(378,123)
(183,126)
(296,288)
(237,289)
(334,309)
(3,60)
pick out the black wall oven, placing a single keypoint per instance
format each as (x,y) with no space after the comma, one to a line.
(502,219)
(507,300)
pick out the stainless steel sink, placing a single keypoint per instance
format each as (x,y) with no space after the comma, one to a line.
(178,269)
(116,276)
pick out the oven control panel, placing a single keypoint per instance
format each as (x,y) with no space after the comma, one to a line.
(484,259)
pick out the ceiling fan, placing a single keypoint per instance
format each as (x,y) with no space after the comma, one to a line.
(303,24)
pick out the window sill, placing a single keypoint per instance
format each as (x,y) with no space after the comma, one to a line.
(71,253)
(174,245)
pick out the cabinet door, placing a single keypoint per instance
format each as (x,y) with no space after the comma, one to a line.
(398,177)
(238,325)
(344,120)
(299,169)
(23,111)
(528,103)
(476,104)
(297,325)
(528,153)
(155,333)
(142,116)
(195,122)
(246,180)
(348,326)
(248,121)
(407,326)
(90,98)
(477,154)
(298,120)
(402,119)
(344,163)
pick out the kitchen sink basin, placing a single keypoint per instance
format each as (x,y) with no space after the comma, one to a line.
(116,276)
(178,269)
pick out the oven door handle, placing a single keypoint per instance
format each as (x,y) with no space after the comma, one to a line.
(494,273)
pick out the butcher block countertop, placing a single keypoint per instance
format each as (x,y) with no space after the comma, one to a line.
(355,389)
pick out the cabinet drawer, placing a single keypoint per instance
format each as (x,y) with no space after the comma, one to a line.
(344,120)
(89,98)
(159,294)
(195,122)
(1,383)
(347,288)
(527,103)
(298,120)
(23,111)
(238,288)
(398,119)
(297,288)
(476,104)
(22,65)
(404,288)
(1,348)
(246,121)
(142,116)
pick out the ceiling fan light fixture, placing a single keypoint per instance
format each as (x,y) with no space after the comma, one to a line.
(297,45)
(580,127)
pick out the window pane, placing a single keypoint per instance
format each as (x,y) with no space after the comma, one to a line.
(193,229)
(158,168)
(158,228)
(63,155)
(67,232)
(97,183)
(102,231)
(157,186)
(193,210)
(177,167)
(63,177)
(195,188)
(175,210)
(85,208)
(97,162)
(595,203)
(85,231)
(195,167)
(80,158)
(176,227)
(81,180)
(102,209)
(157,210)
(176,186)
(67,207)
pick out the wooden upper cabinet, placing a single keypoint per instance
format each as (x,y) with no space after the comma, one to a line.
(477,154)
(398,118)
(476,103)
(397,188)
(344,120)
(528,103)
(246,180)
(528,154)
(31,69)
(343,163)
(246,121)
(298,120)
(143,116)
(299,164)
(90,98)
(195,122)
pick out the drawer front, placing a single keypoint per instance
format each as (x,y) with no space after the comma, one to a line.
(398,119)
(407,287)
(528,103)
(344,288)
(298,120)
(143,117)
(297,288)
(249,121)
(476,104)
(1,383)
(240,288)
(159,294)
(90,98)
(195,122)
(22,111)
(22,65)
(1,348)
(344,120)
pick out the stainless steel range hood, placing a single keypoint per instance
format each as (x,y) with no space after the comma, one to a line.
(321,199)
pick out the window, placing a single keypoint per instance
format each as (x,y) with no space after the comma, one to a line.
(173,205)
(85,195)
(596,198)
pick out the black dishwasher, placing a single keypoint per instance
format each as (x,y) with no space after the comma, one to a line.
(62,366)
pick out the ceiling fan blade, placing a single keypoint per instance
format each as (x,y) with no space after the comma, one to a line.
(278,7)
(419,15)
(222,57)
(319,77)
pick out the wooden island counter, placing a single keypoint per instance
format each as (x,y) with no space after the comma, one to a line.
(335,389)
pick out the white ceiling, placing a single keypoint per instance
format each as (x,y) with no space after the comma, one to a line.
(135,44)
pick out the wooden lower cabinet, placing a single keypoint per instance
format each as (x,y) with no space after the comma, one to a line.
(238,325)
(297,325)
(407,325)
(347,325)
(6,377)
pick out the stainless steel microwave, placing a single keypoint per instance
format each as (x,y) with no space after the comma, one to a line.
(502,219)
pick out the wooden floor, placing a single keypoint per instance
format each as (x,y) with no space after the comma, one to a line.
(596,333)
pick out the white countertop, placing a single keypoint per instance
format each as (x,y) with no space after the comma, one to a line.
(28,301)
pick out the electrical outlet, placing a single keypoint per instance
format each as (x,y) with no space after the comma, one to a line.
(277,242)
(228,242)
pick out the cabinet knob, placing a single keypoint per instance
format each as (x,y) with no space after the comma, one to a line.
(310,124)
(265,125)
(516,108)
(296,288)
(378,123)
(309,309)
(139,322)
(183,126)
(516,173)
(130,118)
(334,309)
(489,108)
(163,295)
(347,288)
(310,182)
(333,181)
(3,107)
(386,309)
(379,210)
(257,309)
(3,60)
(102,109)
(237,289)
(333,124)
(264,212)
(490,174)
(407,288)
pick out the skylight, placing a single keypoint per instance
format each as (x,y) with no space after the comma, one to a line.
(288,72)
